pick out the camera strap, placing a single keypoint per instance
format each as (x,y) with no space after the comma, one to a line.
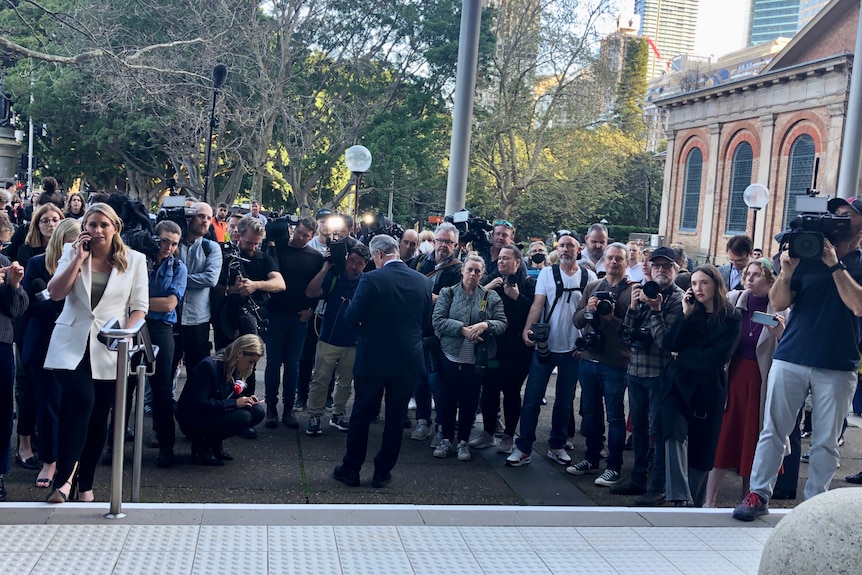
(561,288)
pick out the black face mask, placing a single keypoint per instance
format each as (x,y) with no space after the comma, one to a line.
(537,258)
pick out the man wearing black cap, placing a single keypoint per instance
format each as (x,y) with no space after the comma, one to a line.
(818,352)
(649,318)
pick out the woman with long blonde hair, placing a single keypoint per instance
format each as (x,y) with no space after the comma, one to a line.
(211,407)
(100,279)
(40,318)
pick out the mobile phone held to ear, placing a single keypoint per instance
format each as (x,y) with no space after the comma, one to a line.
(85,245)
(766,319)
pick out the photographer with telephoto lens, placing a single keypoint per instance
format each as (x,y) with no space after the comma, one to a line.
(654,308)
(604,359)
(558,292)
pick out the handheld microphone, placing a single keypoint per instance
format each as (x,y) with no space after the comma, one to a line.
(42,293)
(219,75)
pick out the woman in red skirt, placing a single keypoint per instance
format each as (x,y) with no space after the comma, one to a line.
(749,367)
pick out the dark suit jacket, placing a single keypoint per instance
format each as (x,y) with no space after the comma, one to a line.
(390,308)
(40,315)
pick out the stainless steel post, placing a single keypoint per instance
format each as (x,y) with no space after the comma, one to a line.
(116,510)
(138,450)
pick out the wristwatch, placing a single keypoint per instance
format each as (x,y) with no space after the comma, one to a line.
(836,267)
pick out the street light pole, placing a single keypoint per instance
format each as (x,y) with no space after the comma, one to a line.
(358,160)
(219,77)
(755,196)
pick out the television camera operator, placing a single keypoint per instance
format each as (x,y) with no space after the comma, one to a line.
(654,307)
(826,283)
(251,277)
(604,360)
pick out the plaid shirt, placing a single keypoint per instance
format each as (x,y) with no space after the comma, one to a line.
(650,362)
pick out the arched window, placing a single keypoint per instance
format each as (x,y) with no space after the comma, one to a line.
(691,191)
(740,178)
(800,171)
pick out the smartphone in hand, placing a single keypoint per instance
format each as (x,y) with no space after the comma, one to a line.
(766,319)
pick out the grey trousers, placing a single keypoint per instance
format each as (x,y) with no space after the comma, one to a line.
(681,482)
(787,387)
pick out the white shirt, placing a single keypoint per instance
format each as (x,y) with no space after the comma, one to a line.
(563,331)
(636,272)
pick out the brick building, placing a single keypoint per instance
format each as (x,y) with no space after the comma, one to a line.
(770,128)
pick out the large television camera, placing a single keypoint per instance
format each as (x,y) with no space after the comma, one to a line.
(471,229)
(814,223)
(375,225)
(174,209)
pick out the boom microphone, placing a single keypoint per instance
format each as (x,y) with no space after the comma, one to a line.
(219,75)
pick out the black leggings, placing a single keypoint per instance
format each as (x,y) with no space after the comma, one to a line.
(84,413)
(216,428)
(508,378)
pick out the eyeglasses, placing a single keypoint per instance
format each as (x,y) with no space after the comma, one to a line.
(661,265)
(49,221)
(444,242)
(506,223)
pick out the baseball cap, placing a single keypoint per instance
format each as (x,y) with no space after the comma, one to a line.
(322,213)
(854,202)
(663,252)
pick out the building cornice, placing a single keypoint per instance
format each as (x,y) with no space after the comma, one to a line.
(839,63)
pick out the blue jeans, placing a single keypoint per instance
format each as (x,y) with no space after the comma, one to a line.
(284,340)
(602,381)
(643,409)
(537,383)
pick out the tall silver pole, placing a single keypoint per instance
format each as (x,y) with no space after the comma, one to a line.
(462,117)
(138,451)
(848,174)
(30,155)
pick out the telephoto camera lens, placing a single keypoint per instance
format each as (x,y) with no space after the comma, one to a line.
(511,280)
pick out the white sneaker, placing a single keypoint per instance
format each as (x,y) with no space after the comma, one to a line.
(517,458)
(507,443)
(482,441)
(411,404)
(442,450)
(560,456)
(464,451)
(422,431)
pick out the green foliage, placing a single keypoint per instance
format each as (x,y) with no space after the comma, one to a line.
(631,90)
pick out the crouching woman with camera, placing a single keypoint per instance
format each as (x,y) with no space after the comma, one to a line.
(466,318)
(212,408)
(694,387)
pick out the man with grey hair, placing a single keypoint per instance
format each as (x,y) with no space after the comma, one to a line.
(389,310)
(604,360)
(595,242)
(443,267)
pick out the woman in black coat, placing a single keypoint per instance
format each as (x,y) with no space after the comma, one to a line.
(694,386)
(211,407)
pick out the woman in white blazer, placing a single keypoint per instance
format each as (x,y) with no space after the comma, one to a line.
(100,279)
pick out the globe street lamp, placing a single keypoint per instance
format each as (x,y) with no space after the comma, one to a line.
(358,160)
(755,196)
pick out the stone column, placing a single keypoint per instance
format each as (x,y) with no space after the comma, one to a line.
(711,183)
(667,191)
(9,149)
(833,137)
(764,169)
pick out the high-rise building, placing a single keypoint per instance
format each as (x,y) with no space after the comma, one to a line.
(670,27)
(808,9)
(771,19)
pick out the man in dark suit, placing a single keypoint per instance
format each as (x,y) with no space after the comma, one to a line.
(390,307)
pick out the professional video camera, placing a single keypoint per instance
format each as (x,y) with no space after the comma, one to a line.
(375,225)
(812,225)
(278,230)
(174,209)
(471,229)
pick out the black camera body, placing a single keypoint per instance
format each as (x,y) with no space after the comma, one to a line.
(636,338)
(651,289)
(338,250)
(511,280)
(592,341)
(607,300)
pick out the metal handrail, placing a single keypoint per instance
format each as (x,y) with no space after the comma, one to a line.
(139,334)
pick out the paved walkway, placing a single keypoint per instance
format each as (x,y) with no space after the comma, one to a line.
(212,539)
